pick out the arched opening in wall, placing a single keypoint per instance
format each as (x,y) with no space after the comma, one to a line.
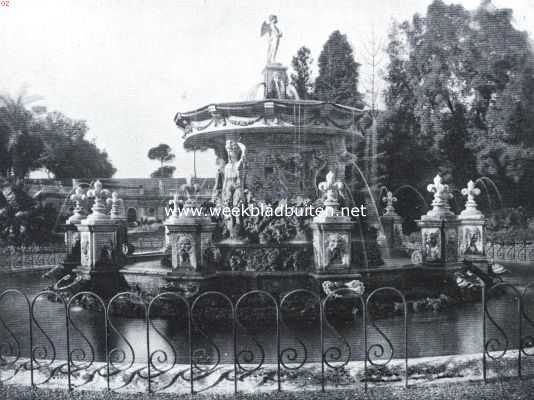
(132,215)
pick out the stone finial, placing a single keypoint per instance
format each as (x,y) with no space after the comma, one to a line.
(99,209)
(471,210)
(442,194)
(192,191)
(117,207)
(389,199)
(78,196)
(331,188)
(174,202)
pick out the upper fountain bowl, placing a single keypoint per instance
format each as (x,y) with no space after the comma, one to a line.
(215,122)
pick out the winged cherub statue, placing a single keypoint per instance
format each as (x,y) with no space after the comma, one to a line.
(270,28)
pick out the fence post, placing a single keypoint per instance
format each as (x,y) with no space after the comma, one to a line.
(190,338)
(484,332)
(148,360)
(365,345)
(321,332)
(234,334)
(69,386)
(278,372)
(520,346)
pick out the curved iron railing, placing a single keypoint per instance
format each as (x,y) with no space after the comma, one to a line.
(203,361)
(117,356)
(161,361)
(246,357)
(79,359)
(289,356)
(190,328)
(493,347)
(375,353)
(43,356)
(333,357)
(11,349)
(527,340)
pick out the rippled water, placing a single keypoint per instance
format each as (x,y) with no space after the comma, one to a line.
(456,330)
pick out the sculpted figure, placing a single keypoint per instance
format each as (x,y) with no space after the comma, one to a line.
(231,190)
(269,27)
(336,249)
(185,247)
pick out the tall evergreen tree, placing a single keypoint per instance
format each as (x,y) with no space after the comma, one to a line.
(301,79)
(337,81)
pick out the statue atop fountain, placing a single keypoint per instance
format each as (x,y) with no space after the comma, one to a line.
(273,35)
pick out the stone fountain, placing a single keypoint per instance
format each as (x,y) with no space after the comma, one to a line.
(273,150)
(276,151)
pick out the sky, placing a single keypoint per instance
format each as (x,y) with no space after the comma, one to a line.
(127,66)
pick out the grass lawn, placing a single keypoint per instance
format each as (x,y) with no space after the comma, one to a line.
(501,389)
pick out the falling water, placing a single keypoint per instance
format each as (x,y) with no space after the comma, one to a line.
(487,192)
(455,201)
(413,189)
(371,155)
(484,180)
(374,208)
(362,236)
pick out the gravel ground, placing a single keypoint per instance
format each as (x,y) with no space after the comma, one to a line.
(502,389)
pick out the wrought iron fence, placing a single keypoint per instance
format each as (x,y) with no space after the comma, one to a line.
(513,251)
(160,360)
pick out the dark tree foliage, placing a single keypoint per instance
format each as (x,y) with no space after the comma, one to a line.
(20,142)
(337,81)
(301,79)
(23,220)
(30,140)
(68,154)
(167,171)
(162,153)
(459,100)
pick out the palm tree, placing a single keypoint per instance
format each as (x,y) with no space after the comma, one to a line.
(20,144)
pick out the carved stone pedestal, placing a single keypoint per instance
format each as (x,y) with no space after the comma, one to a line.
(276,81)
(332,244)
(471,240)
(439,228)
(331,232)
(391,222)
(101,240)
(72,244)
(471,232)
(440,241)
(98,246)
(189,243)
(393,230)
(189,236)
